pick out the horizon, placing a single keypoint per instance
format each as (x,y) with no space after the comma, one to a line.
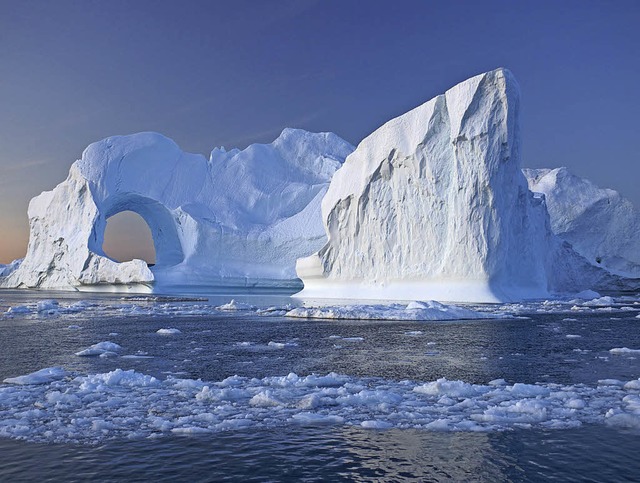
(77,72)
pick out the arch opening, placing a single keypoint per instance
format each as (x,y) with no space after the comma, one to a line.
(159,220)
(128,236)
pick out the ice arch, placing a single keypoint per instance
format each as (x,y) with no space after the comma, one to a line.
(166,242)
(237,218)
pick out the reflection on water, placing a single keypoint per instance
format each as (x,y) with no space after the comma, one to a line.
(311,454)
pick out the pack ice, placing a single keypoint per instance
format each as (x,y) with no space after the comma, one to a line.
(434,205)
(244,216)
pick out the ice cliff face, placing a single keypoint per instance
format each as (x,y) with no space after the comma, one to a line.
(241,215)
(434,205)
(600,224)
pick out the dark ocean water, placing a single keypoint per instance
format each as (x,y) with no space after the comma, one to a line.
(209,347)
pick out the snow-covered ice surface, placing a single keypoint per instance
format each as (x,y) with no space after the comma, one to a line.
(237,218)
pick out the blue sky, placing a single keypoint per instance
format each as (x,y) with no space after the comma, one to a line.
(209,73)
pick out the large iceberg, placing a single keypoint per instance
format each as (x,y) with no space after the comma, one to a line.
(600,224)
(434,205)
(242,216)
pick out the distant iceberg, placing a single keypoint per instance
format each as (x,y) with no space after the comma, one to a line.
(600,224)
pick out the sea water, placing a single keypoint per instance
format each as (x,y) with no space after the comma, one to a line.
(177,389)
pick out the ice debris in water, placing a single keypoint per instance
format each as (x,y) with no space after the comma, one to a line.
(624,350)
(282,345)
(102,349)
(233,305)
(170,331)
(43,376)
(48,306)
(428,310)
(52,405)
(601,302)
(18,309)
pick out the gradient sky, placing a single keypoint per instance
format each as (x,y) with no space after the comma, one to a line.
(209,73)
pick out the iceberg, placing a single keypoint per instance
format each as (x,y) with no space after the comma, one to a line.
(434,205)
(6,270)
(600,224)
(242,217)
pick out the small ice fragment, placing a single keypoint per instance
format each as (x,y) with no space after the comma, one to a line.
(413,332)
(376,424)
(575,403)
(171,331)
(43,376)
(610,382)
(99,348)
(281,345)
(624,350)
(18,309)
(497,382)
(74,327)
(573,336)
(106,354)
(233,305)
(601,301)
(48,306)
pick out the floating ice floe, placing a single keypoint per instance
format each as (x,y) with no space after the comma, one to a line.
(102,349)
(624,350)
(43,376)
(19,309)
(429,310)
(233,305)
(52,405)
(171,331)
(47,307)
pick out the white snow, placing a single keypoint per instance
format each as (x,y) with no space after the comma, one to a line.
(428,310)
(237,218)
(53,405)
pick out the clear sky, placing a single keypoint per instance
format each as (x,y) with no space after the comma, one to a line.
(210,73)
